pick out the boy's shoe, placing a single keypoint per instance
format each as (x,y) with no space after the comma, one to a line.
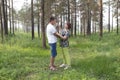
(66,67)
(62,65)
(53,68)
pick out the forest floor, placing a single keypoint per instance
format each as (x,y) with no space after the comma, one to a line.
(92,59)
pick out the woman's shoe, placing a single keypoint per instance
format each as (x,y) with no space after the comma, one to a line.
(66,67)
(62,65)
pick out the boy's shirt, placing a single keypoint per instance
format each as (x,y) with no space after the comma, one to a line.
(50,30)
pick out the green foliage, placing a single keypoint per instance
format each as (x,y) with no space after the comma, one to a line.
(92,59)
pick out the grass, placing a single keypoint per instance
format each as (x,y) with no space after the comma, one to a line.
(92,59)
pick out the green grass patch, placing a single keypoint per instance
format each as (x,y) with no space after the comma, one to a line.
(92,59)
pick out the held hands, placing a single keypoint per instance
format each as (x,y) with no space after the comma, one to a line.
(60,36)
(64,37)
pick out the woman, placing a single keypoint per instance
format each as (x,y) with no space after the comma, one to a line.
(64,44)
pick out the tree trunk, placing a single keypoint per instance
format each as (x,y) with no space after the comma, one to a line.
(117,16)
(84,27)
(109,16)
(5,17)
(68,10)
(1,21)
(61,20)
(93,25)
(72,26)
(10,15)
(95,28)
(6,7)
(32,19)
(75,18)
(43,25)
(39,26)
(89,20)
(18,25)
(112,21)
(38,22)
(101,19)
(81,26)
(13,18)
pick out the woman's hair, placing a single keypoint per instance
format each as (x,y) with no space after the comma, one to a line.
(69,25)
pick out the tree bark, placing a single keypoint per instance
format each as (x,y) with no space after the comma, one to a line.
(117,17)
(84,26)
(1,21)
(112,21)
(101,19)
(4,17)
(61,20)
(38,22)
(72,26)
(75,18)
(32,19)
(95,27)
(81,26)
(6,8)
(89,20)
(43,25)
(68,10)
(13,19)
(10,15)
(109,16)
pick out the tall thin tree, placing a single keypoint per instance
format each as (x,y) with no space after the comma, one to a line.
(38,19)
(81,27)
(68,10)
(108,15)
(6,11)
(112,19)
(1,21)
(84,21)
(43,24)
(75,28)
(5,17)
(89,19)
(117,16)
(10,14)
(101,18)
(13,18)
(32,19)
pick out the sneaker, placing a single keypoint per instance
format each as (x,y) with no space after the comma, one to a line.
(62,65)
(66,67)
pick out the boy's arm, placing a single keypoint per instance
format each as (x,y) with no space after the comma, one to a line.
(60,36)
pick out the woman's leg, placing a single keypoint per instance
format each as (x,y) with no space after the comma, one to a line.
(67,56)
(64,57)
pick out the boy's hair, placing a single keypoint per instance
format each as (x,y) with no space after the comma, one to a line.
(69,25)
(52,18)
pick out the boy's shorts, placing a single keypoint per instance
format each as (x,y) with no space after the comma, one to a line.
(53,49)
